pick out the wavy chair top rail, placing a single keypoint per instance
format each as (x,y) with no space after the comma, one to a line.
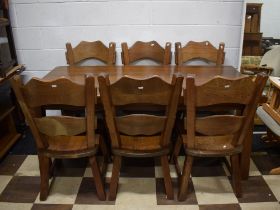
(146,50)
(199,50)
(91,50)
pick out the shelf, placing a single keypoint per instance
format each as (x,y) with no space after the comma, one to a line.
(8,132)
(7,65)
(8,60)
(4,22)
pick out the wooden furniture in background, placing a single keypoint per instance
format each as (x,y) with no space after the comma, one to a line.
(91,50)
(273,107)
(252,37)
(8,108)
(252,69)
(140,135)
(199,50)
(8,58)
(218,135)
(270,115)
(146,50)
(61,136)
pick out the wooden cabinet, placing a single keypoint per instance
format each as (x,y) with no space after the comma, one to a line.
(8,60)
(8,57)
(8,132)
(252,35)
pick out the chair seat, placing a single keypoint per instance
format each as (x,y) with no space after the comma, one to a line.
(268,121)
(215,146)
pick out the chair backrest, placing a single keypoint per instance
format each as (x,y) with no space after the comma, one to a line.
(128,91)
(240,94)
(91,50)
(204,51)
(146,50)
(55,132)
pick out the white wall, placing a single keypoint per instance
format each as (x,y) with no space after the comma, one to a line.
(270,18)
(42,27)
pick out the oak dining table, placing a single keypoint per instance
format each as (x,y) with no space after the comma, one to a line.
(202,74)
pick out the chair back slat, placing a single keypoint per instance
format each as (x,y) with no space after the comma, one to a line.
(225,91)
(63,143)
(60,125)
(91,50)
(140,124)
(139,143)
(218,125)
(199,50)
(218,143)
(149,91)
(146,50)
(56,92)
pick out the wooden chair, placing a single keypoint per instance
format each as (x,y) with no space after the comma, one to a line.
(199,50)
(218,135)
(204,51)
(61,137)
(146,50)
(269,114)
(91,50)
(140,135)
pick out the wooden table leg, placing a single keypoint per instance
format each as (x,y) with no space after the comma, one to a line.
(246,153)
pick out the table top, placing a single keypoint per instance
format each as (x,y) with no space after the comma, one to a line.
(202,73)
(275,81)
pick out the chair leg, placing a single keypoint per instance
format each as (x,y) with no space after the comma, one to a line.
(236,176)
(175,154)
(106,156)
(179,141)
(115,178)
(184,179)
(97,178)
(167,177)
(104,149)
(44,165)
